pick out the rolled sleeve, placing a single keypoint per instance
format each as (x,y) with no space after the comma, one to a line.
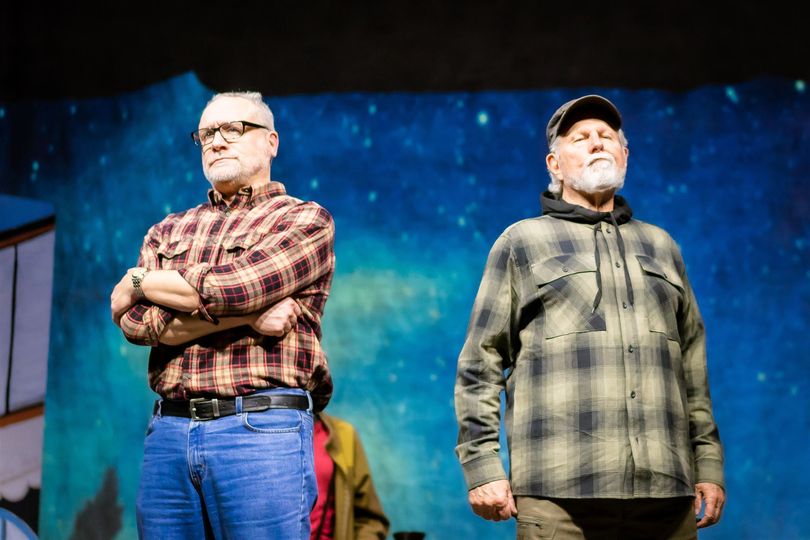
(144,323)
(195,276)
(294,254)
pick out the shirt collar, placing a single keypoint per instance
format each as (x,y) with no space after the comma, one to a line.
(248,195)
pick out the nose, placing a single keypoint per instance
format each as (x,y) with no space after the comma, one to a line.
(595,142)
(218,142)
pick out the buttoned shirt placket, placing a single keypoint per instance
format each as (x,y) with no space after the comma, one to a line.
(627,339)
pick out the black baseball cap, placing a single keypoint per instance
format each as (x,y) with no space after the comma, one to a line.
(590,106)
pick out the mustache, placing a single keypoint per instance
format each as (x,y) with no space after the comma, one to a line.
(602,155)
(217,158)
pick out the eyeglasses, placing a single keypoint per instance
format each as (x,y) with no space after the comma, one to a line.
(230,131)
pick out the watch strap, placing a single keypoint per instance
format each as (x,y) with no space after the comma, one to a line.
(137,280)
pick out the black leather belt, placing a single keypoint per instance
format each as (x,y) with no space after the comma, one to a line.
(208,409)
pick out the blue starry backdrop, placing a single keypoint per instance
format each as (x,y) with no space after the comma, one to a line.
(420,186)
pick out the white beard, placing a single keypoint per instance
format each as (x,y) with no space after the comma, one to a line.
(234,170)
(600,174)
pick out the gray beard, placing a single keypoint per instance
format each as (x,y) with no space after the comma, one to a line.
(236,172)
(598,177)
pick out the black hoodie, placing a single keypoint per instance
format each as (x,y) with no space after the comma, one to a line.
(621,214)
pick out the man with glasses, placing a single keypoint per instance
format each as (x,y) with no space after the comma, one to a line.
(229,295)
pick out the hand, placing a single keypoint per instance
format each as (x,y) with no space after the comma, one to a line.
(123,297)
(493,501)
(713,497)
(278,319)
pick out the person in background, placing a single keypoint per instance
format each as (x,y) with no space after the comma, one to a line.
(348,507)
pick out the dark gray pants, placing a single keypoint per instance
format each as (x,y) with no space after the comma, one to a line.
(606,519)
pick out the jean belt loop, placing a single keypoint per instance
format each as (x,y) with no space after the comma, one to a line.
(238,403)
(158,411)
(309,399)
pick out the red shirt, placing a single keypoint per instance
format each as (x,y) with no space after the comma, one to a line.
(241,258)
(322,518)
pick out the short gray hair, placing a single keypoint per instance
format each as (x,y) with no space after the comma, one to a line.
(265,113)
(555,186)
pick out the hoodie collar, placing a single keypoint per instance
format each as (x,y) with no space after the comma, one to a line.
(558,208)
(554,207)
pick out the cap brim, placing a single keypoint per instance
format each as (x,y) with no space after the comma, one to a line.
(592,106)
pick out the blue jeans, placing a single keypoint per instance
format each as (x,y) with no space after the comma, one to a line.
(248,475)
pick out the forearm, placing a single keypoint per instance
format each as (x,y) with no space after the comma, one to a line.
(299,253)
(168,288)
(184,328)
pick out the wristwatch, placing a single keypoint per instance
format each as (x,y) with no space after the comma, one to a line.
(137,279)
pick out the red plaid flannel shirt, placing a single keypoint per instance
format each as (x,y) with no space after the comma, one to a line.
(241,258)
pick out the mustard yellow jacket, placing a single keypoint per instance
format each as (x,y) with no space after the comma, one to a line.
(358,512)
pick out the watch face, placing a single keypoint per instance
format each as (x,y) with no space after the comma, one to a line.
(137,277)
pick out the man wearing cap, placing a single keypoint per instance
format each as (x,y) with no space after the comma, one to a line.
(586,320)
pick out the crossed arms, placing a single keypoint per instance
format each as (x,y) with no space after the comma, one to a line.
(168,289)
(254,288)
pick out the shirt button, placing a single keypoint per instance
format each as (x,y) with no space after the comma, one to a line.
(618,264)
(624,305)
(565,269)
(633,394)
(607,229)
(630,348)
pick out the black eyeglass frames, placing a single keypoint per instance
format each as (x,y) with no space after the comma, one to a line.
(230,131)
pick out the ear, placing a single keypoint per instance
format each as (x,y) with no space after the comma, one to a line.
(272,140)
(553,166)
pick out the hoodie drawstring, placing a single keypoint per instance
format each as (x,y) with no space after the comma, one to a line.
(597,258)
(630,296)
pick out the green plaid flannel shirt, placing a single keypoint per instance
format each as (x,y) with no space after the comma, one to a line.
(611,402)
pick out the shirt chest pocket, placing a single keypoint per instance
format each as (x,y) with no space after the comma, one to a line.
(174,254)
(664,296)
(235,245)
(567,288)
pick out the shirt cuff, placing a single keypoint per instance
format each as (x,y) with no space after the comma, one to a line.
(709,470)
(144,323)
(483,470)
(195,276)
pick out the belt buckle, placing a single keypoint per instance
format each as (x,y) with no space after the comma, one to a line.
(192,408)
